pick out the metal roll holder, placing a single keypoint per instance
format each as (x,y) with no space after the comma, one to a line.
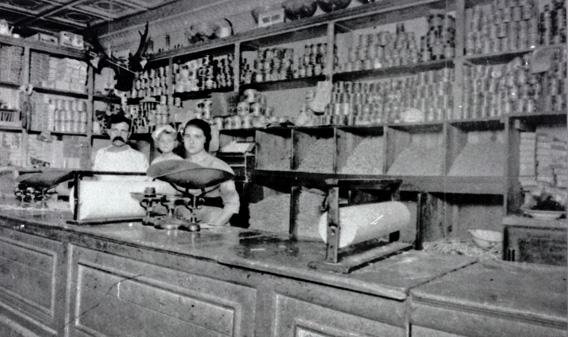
(80,174)
(346,259)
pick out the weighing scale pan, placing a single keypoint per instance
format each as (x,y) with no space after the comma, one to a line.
(187,175)
(45,179)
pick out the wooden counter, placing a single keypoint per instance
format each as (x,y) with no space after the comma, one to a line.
(131,280)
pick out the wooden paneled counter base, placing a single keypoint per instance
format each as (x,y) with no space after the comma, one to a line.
(130,280)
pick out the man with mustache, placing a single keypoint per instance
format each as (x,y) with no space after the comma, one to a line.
(119,156)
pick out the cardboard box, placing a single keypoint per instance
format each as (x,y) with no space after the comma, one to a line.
(44,38)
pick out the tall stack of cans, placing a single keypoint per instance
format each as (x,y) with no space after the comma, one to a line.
(552,25)
(504,25)
(500,89)
(277,64)
(386,49)
(376,102)
(554,83)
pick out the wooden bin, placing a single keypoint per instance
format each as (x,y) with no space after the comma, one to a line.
(314,150)
(476,149)
(273,149)
(360,150)
(415,150)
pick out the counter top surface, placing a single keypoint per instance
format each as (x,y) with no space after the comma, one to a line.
(250,249)
(537,292)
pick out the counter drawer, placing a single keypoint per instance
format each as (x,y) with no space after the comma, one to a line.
(115,296)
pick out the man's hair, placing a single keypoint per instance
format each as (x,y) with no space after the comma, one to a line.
(119,118)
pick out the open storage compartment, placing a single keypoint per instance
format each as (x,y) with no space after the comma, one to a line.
(314,150)
(477,148)
(360,150)
(273,149)
(415,150)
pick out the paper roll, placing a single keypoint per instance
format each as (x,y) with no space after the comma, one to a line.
(369,221)
(112,199)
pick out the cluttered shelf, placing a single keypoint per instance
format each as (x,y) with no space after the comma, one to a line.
(44,47)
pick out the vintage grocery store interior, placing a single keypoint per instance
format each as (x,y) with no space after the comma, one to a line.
(314,168)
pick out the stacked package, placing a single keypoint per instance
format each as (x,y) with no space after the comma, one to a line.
(527,159)
(11,64)
(58,73)
(11,149)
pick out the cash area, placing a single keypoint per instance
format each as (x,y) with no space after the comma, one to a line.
(130,279)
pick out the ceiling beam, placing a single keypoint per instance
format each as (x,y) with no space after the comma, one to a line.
(51,11)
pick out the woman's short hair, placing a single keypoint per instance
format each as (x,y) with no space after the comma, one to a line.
(204,126)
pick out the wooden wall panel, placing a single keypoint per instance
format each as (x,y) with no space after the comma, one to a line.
(32,281)
(115,296)
(294,317)
(468,323)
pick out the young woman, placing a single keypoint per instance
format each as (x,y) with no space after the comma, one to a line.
(196,138)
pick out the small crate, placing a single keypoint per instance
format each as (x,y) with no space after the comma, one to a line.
(271,17)
(543,243)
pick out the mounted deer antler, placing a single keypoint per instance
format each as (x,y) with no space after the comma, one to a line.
(124,69)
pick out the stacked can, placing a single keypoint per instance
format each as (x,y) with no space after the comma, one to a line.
(382,49)
(552,23)
(70,116)
(439,41)
(504,25)
(205,73)
(376,102)
(502,89)
(554,83)
(152,82)
(276,64)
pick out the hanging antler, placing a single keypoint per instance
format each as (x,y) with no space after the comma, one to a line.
(125,70)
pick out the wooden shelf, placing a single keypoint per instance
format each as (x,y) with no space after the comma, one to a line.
(11,128)
(392,71)
(479,124)
(200,94)
(9,84)
(60,92)
(422,127)
(59,133)
(505,56)
(108,99)
(432,184)
(284,84)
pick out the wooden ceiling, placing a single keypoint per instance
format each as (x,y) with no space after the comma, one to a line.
(30,16)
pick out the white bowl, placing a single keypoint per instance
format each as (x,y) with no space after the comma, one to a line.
(544,215)
(486,239)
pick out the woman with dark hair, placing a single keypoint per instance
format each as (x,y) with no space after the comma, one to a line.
(196,138)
